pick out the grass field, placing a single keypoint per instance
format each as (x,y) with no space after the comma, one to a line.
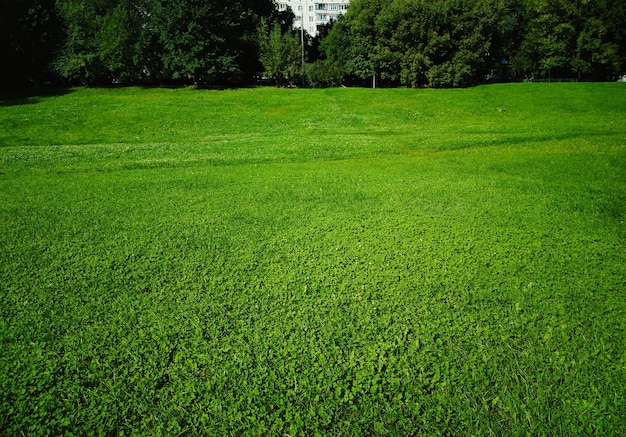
(314,262)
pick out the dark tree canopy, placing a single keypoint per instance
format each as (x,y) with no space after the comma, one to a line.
(397,42)
(195,41)
(29,32)
(461,42)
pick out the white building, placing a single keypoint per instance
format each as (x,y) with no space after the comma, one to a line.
(314,13)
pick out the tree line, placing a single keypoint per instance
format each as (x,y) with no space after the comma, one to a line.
(464,42)
(98,42)
(435,43)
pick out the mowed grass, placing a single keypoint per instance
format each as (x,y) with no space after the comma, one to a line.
(314,262)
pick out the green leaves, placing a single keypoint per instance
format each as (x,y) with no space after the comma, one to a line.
(563,38)
(450,42)
(417,43)
(280,53)
(190,41)
(30,31)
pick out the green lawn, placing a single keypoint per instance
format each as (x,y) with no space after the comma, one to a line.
(314,262)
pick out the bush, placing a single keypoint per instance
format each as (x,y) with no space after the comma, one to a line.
(322,74)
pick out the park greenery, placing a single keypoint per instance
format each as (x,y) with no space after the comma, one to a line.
(271,262)
(436,43)
(458,42)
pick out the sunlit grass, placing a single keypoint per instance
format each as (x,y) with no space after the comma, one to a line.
(339,262)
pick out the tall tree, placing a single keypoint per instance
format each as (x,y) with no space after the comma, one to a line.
(196,41)
(447,42)
(549,39)
(418,42)
(281,54)
(601,32)
(104,40)
(121,41)
(583,39)
(332,67)
(78,60)
(207,41)
(30,34)
(363,48)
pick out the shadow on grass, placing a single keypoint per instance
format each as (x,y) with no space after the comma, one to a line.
(29,96)
(484,140)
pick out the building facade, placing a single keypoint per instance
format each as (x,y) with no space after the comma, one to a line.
(313,13)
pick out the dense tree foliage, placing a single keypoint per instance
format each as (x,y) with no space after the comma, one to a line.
(457,42)
(394,42)
(583,39)
(195,41)
(29,32)
(104,40)
(281,54)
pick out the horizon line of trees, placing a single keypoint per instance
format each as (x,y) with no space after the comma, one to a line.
(100,42)
(436,43)
(464,42)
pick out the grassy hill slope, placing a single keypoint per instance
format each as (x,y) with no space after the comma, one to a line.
(314,262)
